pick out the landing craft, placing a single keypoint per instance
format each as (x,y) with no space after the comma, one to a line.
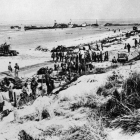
(70,25)
(84,24)
(96,24)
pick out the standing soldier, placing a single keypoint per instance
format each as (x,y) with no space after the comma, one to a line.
(56,66)
(101,57)
(34,85)
(97,47)
(98,57)
(10,87)
(1,102)
(49,76)
(57,56)
(90,54)
(136,42)
(102,46)
(125,46)
(10,68)
(82,54)
(106,56)
(16,70)
(47,79)
(62,56)
(128,47)
(53,55)
(94,56)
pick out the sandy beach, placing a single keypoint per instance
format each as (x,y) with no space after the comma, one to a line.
(82,91)
(25,42)
(71,70)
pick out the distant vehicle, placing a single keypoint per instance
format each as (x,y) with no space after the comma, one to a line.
(122,57)
(135,28)
(6,51)
(15,27)
(84,24)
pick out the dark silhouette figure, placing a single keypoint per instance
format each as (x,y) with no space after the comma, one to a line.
(34,85)
(128,47)
(136,43)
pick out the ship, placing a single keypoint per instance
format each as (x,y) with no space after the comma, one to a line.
(96,24)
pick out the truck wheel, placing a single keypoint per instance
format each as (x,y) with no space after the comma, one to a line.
(11,54)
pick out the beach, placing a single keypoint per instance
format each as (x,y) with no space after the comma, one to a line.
(72,108)
(69,70)
(25,42)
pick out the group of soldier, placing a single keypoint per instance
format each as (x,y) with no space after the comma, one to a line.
(15,95)
(16,67)
(66,63)
(78,61)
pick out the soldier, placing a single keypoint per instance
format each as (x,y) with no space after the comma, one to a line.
(94,56)
(98,57)
(128,47)
(10,87)
(1,102)
(97,47)
(53,55)
(16,70)
(102,47)
(34,85)
(136,43)
(56,66)
(60,56)
(125,46)
(101,57)
(49,81)
(90,54)
(57,56)
(10,68)
(114,60)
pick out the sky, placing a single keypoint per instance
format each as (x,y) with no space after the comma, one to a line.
(13,11)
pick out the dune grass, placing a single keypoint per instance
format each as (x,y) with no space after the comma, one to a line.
(121,109)
(93,129)
(129,123)
(110,107)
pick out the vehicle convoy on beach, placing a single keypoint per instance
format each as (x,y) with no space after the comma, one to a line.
(6,51)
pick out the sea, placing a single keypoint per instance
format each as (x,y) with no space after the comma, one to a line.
(32,38)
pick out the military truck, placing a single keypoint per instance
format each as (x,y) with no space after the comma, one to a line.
(122,57)
(6,51)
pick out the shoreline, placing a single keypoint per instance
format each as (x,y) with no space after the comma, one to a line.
(28,70)
(28,57)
